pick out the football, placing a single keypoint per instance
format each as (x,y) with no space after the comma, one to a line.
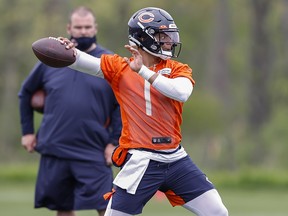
(38,100)
(51,52)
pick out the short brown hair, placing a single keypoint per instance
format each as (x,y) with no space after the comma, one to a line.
(82,11)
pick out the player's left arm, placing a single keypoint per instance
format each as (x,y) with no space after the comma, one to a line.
(87,64)
(179,88)
(84,62)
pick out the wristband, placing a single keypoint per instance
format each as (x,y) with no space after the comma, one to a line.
(145,72)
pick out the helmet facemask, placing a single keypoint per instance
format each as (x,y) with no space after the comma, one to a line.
(163,43)
(167,43)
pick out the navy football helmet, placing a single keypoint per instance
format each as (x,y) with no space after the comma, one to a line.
(154,30)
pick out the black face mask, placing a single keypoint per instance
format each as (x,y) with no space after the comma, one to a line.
(83,43)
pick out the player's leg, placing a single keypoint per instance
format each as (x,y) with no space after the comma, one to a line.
(123,203)
(189,187)
(209,203)
(112,212)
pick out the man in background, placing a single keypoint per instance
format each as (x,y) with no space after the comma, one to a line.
(80,128)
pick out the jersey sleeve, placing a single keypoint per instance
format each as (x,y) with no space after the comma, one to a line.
(182,70)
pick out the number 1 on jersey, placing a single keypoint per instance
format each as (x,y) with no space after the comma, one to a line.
(147,97)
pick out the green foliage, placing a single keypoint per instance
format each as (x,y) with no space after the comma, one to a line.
(202,115)
(250,178)
(275,136)
(18,173)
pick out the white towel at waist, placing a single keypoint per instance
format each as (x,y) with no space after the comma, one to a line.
(131,174)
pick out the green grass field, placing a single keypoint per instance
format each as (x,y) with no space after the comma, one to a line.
(252,192)
(17,200)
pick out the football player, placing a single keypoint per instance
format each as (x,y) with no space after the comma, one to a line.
(151,89)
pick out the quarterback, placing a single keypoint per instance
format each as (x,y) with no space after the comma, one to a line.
(151,89)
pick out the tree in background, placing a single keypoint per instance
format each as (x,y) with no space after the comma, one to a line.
(238,106)
(261,68)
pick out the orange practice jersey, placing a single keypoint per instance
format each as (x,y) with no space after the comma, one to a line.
(150,119)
